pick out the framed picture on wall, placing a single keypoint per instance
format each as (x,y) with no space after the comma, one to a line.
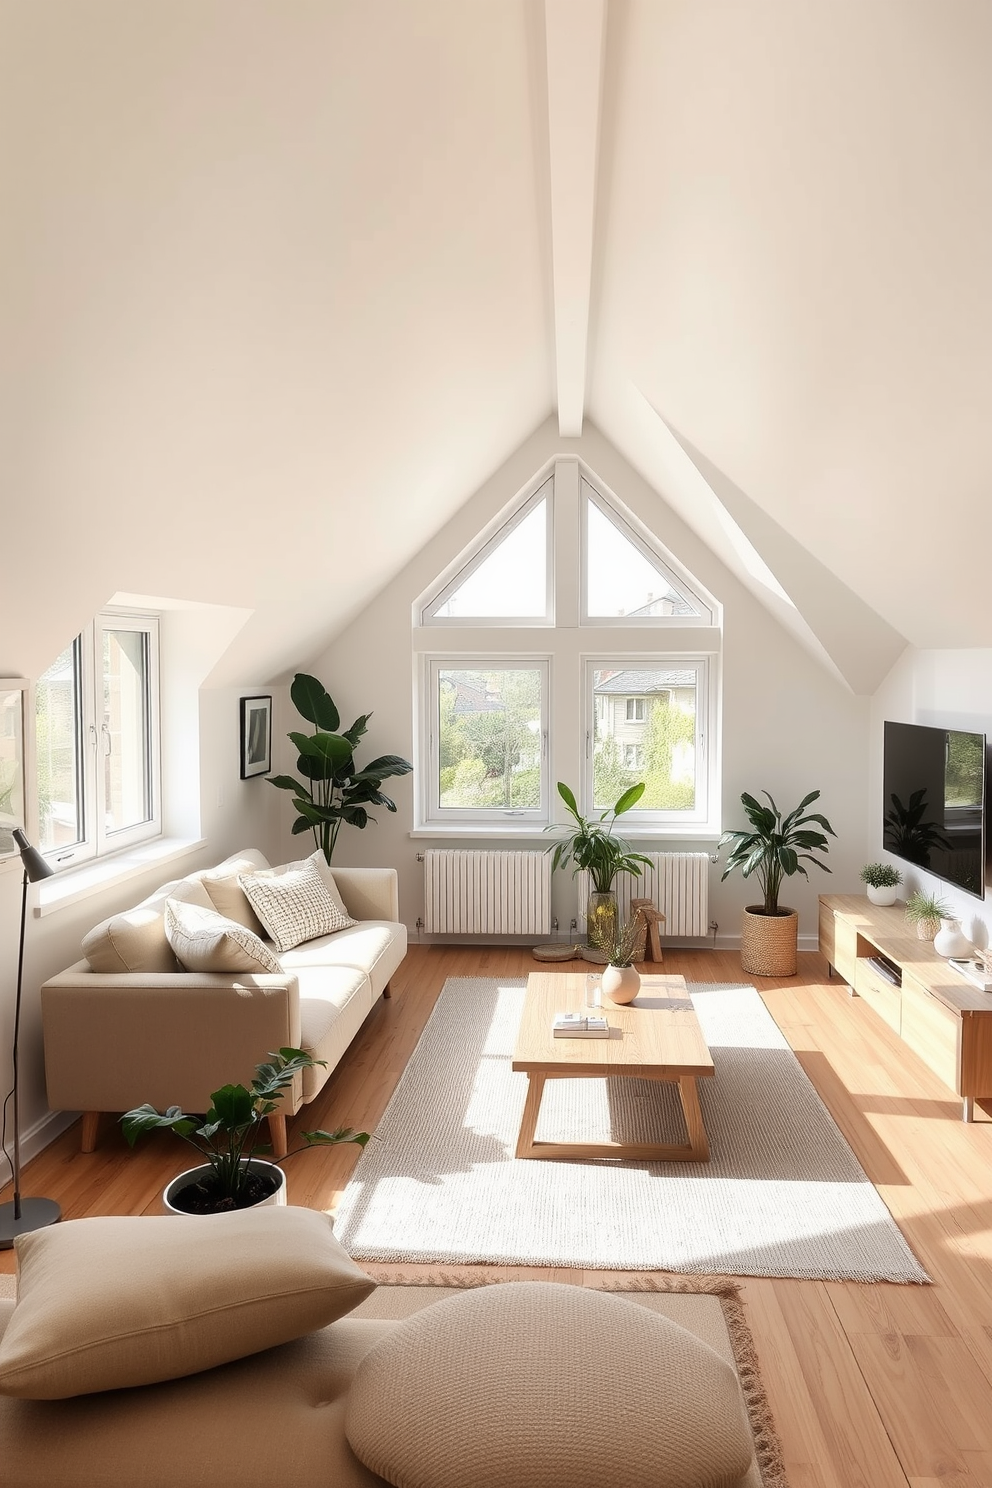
(256,736)
(12,694)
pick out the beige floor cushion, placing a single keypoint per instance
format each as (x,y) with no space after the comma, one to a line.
(529,1383)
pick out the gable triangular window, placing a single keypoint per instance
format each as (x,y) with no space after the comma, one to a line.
(625,581)
(507,578)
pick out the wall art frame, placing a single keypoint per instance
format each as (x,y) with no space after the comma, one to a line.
(256,736)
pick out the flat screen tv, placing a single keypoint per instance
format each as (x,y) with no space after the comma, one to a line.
(933,792)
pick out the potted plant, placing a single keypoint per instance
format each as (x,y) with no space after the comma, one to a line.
(617,940)
(776,847)
(926,911)
(333,789)
(881,881)
(227,1136)
(594,846)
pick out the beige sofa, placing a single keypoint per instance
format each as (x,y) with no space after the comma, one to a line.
(127,1024)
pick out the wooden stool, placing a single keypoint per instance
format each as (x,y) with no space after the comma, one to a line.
(649,946)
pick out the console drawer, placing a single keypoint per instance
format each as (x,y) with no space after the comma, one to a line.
(933,1032)
(878,993)
(845,958)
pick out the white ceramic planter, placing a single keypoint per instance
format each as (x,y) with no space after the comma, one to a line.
(621,983)
(193,1175)
(884,895)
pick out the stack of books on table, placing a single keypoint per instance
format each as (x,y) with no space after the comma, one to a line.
(580,1025)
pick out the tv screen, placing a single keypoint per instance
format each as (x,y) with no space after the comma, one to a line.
(933,791)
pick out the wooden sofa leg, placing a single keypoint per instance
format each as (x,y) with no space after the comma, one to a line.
(91,1122)
(387,991)
(277,1134)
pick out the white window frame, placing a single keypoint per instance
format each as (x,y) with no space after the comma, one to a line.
(96,840)
(432,813)
(477,555)
(648,545)
(706,763)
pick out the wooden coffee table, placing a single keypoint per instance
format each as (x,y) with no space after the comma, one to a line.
(657,1037)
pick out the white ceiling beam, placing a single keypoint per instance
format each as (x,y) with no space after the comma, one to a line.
(575,32)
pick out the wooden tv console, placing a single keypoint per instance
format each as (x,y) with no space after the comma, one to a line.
(941,1016)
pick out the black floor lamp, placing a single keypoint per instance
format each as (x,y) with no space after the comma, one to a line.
(22,1215)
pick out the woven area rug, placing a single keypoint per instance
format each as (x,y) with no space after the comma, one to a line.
(710,1309)
(783,1194)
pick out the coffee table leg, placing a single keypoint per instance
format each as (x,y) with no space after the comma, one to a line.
(698,1145)
(528,1121)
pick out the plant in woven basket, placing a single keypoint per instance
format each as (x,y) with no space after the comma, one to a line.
(880,876)
(617,939)
(776,847)
(926,911)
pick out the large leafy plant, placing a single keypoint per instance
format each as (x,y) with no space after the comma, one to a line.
(230,1130)
(333,789)
(776,847)
(593,845)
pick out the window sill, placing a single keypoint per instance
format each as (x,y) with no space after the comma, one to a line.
(700,834)
(63,889)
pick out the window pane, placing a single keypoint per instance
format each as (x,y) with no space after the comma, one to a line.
(489,739)
(645,729)
(59,729)
(512,582)
(11,768)
(621,581)
(124,729)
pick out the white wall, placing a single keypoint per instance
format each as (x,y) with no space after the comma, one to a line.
(788,725)
(944,689)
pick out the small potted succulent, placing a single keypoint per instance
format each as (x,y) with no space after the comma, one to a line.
(881,881)
(618,942)
(926,911)
(227,1137)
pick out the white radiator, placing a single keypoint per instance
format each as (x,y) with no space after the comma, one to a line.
(487,893)
(679,884)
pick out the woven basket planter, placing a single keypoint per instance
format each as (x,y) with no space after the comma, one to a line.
(768,942)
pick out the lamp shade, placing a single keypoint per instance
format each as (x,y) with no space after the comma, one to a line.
(34,864)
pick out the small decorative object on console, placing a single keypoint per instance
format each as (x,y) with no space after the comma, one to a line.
(976,972)
(951,940)
(881,881)
(925,911)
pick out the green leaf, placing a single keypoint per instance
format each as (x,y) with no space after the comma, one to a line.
(568,798)
(232,1106)
(630,798)
(385,766)
(327,1139)
(312,701)
(286,782)
(358,730)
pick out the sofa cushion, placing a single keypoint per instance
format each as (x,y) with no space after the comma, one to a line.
(533,1382)
(104,1304)
(204,941)
(293,903)
(135,939)
(330,884)
(228,897)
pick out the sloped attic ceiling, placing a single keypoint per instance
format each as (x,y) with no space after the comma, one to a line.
(281,284)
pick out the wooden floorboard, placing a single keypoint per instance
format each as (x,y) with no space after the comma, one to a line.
(871,1386)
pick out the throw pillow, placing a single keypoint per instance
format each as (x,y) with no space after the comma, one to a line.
(135,939)
(327,877)
(104,1304)
(293,903)
(204,941)
(533,1382)
(228,897)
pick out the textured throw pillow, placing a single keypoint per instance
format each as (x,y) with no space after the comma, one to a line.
(104,1304)
(532,1382)
(327,876)
(204,941)
(293,903)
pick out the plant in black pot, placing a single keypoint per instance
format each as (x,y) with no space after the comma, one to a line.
(594,846)
(775,848)
(232,1175)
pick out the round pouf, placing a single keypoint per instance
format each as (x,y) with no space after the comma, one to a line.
(531,1383)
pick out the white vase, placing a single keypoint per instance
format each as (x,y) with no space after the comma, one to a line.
(621,983)
(193,1175)
(884,894)
(951,940)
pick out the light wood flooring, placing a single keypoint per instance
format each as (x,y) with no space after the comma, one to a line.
(872,1386)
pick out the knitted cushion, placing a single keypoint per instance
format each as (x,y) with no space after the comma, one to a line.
(531,1383)
(103,1304)
(293,903)
(204,941)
